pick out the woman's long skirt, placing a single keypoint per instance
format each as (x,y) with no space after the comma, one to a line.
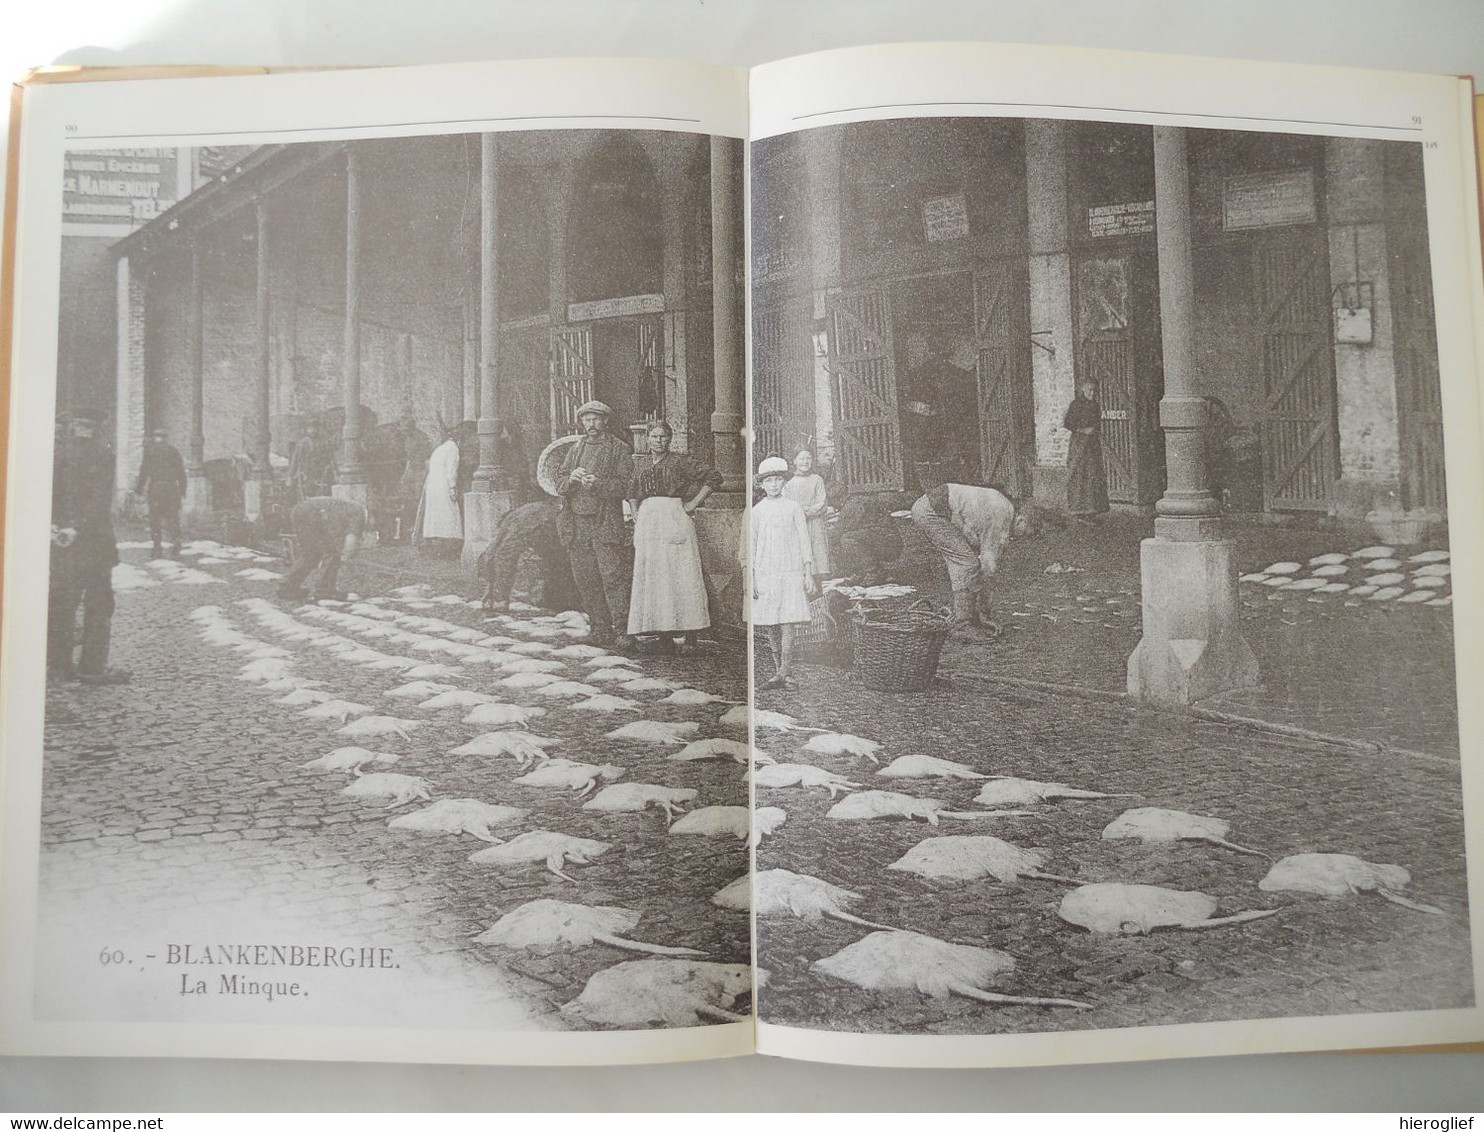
(669,592)
(1087,480)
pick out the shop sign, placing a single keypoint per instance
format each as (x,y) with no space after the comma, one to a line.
(945,218)
(1268,200)
(116,187)
(1130,218)
(615,308)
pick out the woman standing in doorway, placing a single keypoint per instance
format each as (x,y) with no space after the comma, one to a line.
(1087,480)
(669,591)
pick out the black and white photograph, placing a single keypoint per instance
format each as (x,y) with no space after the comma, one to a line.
(1104,648)
(396,654)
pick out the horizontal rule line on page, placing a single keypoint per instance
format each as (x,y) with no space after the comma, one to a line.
(385,126)
(1111,109)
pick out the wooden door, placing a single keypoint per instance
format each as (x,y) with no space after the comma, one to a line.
(1006,423)
(1300,442)
(1105,355)
(782,378)
(571,377)
(868,444)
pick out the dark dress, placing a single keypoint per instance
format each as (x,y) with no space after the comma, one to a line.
(1087,480)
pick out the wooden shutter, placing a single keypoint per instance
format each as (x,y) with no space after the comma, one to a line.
(1299,427)
(571,377)
(1004,379)
(868,445)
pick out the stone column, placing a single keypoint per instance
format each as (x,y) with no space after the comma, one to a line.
(256,490)
(351,481)
(1193,645)
(198,490)
(1365,367)
(1054,347)
(719,523)
(485,505)
(727,420)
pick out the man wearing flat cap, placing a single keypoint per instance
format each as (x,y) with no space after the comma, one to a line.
(593,481)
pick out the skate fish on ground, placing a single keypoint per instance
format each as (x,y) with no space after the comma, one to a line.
(555,850)
(663,992)
(1152,824)
(1340,874)
(546,925)
(1138,909)
(459,815)
(900,960)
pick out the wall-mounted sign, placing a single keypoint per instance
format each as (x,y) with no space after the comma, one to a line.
(1129,218)
(615,308)
(945,218)
(1267,200)
(119,186)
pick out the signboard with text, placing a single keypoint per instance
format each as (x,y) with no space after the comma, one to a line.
(1268,200)
(1129,218)
(119,187)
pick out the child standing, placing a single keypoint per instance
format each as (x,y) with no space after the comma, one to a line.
(806,488)
(782,567)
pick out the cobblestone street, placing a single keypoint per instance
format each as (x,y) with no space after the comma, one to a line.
(1377,675)
(177,809)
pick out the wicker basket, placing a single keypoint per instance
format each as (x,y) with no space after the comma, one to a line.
(897,650)
(826,639)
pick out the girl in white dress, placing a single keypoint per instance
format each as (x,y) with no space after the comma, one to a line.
(806,488)
(782,567)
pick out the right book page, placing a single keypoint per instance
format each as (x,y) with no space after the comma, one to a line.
(1116,433)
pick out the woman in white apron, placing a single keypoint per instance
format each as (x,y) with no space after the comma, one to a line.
(669,591)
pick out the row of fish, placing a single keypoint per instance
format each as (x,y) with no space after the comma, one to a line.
(893,958)
(629,994)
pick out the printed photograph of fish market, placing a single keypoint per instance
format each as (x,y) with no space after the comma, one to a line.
(397,655)
(1101,581)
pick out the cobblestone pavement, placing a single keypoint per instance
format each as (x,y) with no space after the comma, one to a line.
(1377,671)
(176,810)
(1317,956)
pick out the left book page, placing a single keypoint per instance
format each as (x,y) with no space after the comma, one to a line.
(374,500)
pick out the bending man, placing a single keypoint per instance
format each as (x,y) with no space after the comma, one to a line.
(968,526)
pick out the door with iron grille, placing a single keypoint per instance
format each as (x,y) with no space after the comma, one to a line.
(1106,355)
(868,447)
(571,377)
(1300,443)
(782,378)
(1006,426)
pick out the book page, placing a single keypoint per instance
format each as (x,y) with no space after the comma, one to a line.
(375,498)
(1116,431)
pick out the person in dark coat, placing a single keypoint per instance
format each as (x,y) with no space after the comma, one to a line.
(594,480)
(83,556)
(529,529)
(326,530)
(1087,479)
(162,481)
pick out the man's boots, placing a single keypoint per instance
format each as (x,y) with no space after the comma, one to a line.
(966,625)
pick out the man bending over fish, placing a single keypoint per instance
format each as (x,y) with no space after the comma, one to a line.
(969,526)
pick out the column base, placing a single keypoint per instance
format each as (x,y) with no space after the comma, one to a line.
(1193,645)
(483,511)
(719,535)
(355,492)
(196,506)
(252,500)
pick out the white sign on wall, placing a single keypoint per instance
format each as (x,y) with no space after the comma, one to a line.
(945,218)
(1267,200)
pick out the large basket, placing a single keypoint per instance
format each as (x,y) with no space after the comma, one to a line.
(898,650)
(826,639)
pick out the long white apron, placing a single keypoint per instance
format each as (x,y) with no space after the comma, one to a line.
(669,592)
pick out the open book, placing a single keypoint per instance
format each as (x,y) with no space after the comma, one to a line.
(921,555)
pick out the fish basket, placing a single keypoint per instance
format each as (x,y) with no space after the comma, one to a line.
(897,650)
(826,639)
